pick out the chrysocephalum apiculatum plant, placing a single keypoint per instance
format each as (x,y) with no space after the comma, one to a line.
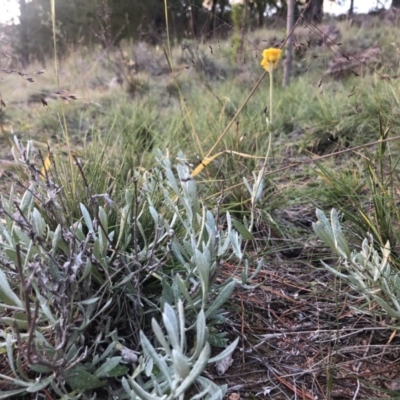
(368,272)
(80,297)
(269,62)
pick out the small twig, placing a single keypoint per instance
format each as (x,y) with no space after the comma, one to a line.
(357,390)
(78,163)
(24,293)
(31,349)
(301,393)
(242,332)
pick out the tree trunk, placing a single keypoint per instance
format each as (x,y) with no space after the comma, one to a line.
(192,23)
(314,11)
(213,19)
(260,7)
(222,5)
(289,44)
(395,3)
(245,22)
(245,25)
(23,33)
(351,9)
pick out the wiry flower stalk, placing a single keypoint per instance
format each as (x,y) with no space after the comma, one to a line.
(269,62)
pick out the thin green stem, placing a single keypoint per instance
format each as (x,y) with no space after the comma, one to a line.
(271,93)
(252,90)
(181,97)
(271,90)
(56,68)
(260,176)
(235,116)
(168,37)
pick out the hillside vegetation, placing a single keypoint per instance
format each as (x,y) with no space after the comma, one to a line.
(273,273)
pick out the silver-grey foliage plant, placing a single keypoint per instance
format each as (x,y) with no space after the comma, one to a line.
(73,290)
(368,271)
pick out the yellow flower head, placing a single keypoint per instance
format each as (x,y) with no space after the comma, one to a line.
(271,56)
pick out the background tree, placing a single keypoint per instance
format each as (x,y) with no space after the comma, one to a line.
(289,44)
(351,9)
(23,33)
(260,7)
(395,3)
(314,11)
(108,22)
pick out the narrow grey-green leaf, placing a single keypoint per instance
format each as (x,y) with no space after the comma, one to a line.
(119,370)
(160,336)
(22,324)
(4,233)
(183,289)
(201,334)
(103,219)
(10,393)
(41,384)
(340,241)
(89,301)
(10,351)
(109,365)
(236,243)
(390,311)
(80,379)
(143,395)
(150,350)
(246,183)
(86,271)
(196,370)
(227,352)
(7,296)
(221,298)
(87,217)
(38,222)
(41,369)
(242,230)
(171,325)
(214,388)
(26,200)
(180,363)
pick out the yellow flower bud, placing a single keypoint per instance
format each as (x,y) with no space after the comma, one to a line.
(271,56)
